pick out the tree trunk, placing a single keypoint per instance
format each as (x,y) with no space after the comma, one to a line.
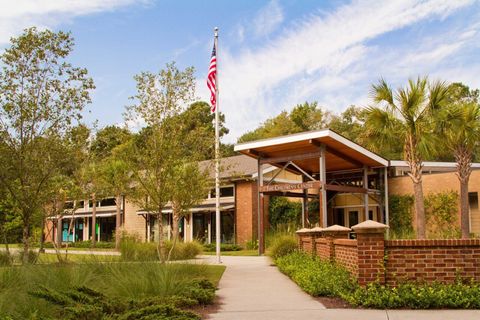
(419,209)
(464,169)
(26,240)
(161,243)
(415,164)
(94,220)
(42,237)
(175,219)
(118,222)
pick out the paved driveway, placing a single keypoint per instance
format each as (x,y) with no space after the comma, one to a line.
(252,289)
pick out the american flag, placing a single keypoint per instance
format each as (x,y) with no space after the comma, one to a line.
(212,77)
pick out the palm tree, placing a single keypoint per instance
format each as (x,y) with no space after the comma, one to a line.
(459,128)
(405,116)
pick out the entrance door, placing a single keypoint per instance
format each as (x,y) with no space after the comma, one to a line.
(352,218)
(199,227)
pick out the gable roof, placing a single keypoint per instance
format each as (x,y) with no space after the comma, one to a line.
(240,166)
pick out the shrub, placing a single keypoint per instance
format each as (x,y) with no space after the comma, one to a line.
(5,258)
(223,247)
(322,278)
(418,296)
(132,249)
(401,216)
(32,256)
(88,244)
(184,250)
(441,214)
(251,245)
(314,276)
(282,246)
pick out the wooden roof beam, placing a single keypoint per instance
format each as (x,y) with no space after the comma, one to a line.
(337,153)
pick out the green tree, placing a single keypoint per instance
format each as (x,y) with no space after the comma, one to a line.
(190,186)
(156,151)
(40,95)
(303,117)
(407,113)
(459,131)
(116,179)
(199,119)
(107,139)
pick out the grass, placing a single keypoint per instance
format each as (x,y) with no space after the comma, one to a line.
(117,281)
(45,258)
(235,253)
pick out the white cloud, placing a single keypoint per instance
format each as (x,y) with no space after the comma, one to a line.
(268,18)
(327,56)
(20,14)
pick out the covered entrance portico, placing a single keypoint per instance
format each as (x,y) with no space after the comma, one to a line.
(330,165)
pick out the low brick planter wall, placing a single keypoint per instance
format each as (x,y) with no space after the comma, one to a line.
(371,258)
(432,260)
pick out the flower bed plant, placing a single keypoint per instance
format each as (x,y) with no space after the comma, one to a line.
(322,278)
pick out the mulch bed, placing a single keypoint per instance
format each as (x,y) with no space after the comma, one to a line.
(334,303)
(205,310)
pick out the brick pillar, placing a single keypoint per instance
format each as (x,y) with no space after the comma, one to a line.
(302,235)
(371,251)
(335,232)
(315,233)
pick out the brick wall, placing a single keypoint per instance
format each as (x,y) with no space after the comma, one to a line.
(323,248)
(245,214)
(432,260)
(346,254)
(371,258)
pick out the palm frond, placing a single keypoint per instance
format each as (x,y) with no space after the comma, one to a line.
(382,92)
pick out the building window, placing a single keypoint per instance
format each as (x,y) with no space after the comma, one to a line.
(339,217)
(107,202)
(473,200)
(352,218)
(224,192)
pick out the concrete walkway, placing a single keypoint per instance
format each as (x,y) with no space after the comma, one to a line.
(252,289)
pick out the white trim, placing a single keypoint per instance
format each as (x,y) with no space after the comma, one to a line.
(266,170)
(307,136)
(428,164)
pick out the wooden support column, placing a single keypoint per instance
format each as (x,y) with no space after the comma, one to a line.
(304,205)
(385,201)
(323,190)
(365,196)
(261,231)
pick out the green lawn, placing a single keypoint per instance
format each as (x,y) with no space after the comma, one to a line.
(86,258)
(234,253)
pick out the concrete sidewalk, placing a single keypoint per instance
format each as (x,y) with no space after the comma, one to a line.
(252,289)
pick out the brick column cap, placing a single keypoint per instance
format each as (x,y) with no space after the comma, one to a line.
(304,230)
(337,228)
(317,229)
(370,226)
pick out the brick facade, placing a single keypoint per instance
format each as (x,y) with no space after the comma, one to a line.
(436,183)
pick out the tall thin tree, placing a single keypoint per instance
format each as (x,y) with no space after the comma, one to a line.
(407,113)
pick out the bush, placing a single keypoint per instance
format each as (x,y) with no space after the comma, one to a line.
(441,213)
(132,249)
(223,247)
(282,246)
(184,250)
(401,216)
(32,256)
(322,278)
(418,296)
(316,277)
(5,258)
(251,244)
(88,244)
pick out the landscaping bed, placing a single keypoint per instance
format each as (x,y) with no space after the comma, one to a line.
(324,279)
(147,290)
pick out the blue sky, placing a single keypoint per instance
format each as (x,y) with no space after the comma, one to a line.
(273,54)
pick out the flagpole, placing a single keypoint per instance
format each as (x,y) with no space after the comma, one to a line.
(217,157)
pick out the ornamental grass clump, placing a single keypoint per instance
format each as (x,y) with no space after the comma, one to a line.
(283,245)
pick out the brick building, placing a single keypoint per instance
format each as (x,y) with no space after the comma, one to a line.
(350,183)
